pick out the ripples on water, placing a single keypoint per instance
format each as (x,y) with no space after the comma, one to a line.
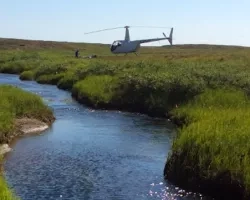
(90,154)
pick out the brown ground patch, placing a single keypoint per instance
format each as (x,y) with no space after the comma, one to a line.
(23,126)
(27,125)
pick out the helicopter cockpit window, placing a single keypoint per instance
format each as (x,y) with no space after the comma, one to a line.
(115,45)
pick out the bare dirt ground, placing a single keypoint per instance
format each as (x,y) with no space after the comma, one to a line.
(27,125)
(24,126)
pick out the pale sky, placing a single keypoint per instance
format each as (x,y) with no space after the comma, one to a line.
(194,21)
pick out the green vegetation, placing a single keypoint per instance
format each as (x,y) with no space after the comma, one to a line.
(27,75)
(5,192)
(16,103)
(97,90)
(204,87)
(212,145)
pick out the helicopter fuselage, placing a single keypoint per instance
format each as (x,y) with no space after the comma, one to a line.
(123,46)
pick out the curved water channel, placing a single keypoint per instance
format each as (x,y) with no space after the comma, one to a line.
(91,154)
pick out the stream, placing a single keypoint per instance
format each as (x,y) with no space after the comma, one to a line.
(91,154)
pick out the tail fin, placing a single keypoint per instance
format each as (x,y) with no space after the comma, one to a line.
(171,36)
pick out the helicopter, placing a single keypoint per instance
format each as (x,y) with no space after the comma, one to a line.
(132,46)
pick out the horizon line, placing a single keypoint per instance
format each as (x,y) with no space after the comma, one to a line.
(65,41)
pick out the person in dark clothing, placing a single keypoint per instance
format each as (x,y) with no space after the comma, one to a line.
(77,53)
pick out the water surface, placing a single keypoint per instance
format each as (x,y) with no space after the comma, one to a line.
(91,154)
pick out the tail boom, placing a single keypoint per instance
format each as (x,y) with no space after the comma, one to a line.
(170,38)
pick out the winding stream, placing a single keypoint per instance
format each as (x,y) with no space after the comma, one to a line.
(91,154)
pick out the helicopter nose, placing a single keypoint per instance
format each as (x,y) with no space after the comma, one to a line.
(112,48)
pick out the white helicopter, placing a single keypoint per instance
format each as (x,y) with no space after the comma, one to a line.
(128,46)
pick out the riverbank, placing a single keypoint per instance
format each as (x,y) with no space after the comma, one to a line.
(21,113)
(166,87)
(210,153)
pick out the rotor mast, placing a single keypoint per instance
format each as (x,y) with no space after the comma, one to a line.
(127,36)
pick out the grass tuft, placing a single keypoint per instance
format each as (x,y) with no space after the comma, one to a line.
(5,192)
(96,89)
(27,75)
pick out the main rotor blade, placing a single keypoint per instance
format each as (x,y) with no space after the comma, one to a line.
(103,30)
(151,26)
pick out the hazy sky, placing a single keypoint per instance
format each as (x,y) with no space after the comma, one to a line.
(194,21)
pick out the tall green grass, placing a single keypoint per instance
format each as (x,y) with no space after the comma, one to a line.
(5,192)
(212,145)
(97,90)
(16,103)
(27,75)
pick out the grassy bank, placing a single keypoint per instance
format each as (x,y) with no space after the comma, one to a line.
(16,104)
(181,82)
(211,152)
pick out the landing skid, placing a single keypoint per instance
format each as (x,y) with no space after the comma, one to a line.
(130,52)
(134,53)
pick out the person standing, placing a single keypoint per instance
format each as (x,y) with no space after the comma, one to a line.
(77,53)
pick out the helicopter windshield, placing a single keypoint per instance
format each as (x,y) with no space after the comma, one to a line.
(115,45)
